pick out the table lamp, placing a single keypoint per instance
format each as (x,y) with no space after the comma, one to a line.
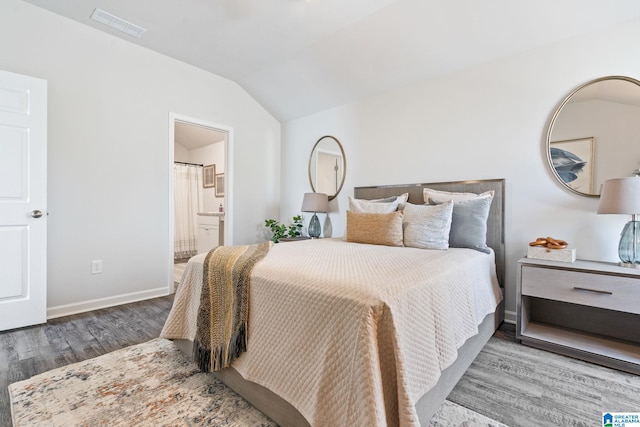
(622,196)
(315,202)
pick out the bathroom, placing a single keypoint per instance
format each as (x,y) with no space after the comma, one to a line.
(199,199)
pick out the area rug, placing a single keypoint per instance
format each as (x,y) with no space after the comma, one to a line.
(152,384)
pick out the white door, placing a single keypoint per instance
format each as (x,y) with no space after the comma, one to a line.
(327,173)
(23,201)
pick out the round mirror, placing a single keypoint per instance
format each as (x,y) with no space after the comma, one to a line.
(327,166)
(594,134)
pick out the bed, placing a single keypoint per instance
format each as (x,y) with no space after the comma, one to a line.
(331,344)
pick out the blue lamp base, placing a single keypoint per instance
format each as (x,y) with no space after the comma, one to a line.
(629,247)
(314,227)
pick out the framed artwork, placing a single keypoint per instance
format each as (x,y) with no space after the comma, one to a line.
(219,185)
(208,176)
(573,161)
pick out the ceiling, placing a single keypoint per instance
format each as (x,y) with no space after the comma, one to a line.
(192,136)
(298,57)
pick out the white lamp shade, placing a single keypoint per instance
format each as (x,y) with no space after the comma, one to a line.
(315,202)
(620,196)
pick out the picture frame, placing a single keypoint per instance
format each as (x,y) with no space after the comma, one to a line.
(219,178)
(208,176)
(573,161)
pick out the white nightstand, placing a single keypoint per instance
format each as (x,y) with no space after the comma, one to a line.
(585,309)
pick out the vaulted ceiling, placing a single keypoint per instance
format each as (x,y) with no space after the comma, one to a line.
(298,57)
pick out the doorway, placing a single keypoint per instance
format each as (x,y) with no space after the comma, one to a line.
(206,146)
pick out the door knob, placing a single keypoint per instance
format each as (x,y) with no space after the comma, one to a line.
(36,213)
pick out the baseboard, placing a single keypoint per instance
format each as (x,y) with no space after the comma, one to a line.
(510,317)
(96,304)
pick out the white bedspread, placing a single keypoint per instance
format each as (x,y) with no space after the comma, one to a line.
(353,334)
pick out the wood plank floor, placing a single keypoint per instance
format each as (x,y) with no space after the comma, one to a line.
(510,383)
(29,351)
(526,387)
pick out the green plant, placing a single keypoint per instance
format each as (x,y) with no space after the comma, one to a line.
(280,231)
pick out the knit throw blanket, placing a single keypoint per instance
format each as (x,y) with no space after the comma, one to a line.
(221,334)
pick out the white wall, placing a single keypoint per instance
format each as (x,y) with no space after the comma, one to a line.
(210,154)
(108,151)
(485,122)
(181,154)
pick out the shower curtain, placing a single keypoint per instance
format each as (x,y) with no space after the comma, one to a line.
(187,203)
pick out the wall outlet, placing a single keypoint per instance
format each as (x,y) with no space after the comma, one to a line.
(96,266)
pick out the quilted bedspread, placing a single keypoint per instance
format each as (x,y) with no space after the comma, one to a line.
(353,334)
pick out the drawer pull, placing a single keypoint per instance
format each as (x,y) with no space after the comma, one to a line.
(595,291)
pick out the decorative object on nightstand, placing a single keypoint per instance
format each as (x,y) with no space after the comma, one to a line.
(551,249)
(622,196)
(315,202)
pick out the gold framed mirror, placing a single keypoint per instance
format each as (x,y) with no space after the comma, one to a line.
(594,134)
(327,166)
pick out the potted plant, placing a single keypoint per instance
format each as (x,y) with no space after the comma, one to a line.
(281,231)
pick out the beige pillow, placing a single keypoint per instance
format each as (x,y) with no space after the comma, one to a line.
(427,226)
(374,228)
(361,205)
(432,196)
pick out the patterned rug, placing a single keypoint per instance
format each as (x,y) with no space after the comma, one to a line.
(152,384)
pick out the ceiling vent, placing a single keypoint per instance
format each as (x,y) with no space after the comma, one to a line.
(117,23)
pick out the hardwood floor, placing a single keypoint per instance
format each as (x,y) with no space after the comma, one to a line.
(509,383)
(29,351)
(521,386)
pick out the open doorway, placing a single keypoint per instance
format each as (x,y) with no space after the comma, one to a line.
(199,179)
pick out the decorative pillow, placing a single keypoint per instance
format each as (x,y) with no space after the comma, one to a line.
(427,226)
(374,228)
(469,224)
(402,200)
(385,200)
(361,205)
(432,196)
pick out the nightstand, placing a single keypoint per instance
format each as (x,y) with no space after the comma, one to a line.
(585,309)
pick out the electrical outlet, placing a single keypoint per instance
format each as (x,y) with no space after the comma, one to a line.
(96,266)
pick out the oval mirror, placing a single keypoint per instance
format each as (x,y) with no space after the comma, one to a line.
(594,134)
(327,166)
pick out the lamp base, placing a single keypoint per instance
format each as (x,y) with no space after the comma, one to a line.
(628,265)
(314,227)
(629,247)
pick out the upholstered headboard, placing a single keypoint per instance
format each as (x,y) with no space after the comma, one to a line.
(495,222)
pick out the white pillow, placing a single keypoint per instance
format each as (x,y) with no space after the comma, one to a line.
(427,226)
(432,196)
(402,200)
(361,205)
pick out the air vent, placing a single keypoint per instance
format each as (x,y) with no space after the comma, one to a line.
(117,23)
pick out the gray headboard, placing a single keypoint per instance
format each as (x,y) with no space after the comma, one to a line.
(495,222)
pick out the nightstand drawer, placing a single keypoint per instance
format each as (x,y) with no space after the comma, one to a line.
(590,289)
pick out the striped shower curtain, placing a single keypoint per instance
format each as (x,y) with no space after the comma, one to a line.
(187,203)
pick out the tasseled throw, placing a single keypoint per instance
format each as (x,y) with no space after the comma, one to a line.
(223,315)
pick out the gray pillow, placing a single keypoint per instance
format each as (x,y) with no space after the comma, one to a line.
(469,224)
(427,226)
